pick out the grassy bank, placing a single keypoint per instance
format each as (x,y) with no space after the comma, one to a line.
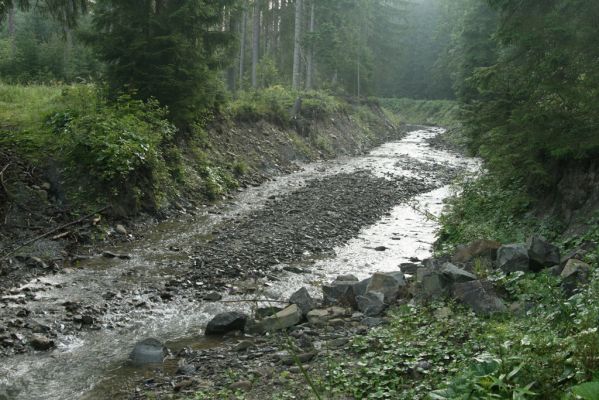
(424,112)
(91,151)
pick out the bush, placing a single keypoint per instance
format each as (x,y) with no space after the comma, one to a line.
(112,149)
(427,112)
(276,103)
(486,207)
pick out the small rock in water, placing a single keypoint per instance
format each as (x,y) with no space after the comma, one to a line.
(148,351)
(226,322)
(381,248)
(41,343)
(121,229)
(213,296)
(304,301)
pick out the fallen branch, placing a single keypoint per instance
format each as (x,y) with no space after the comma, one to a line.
(35,239)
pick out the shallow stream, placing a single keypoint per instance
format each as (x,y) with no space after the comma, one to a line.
(93,364)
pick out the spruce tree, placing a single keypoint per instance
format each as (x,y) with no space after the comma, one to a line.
(170,50)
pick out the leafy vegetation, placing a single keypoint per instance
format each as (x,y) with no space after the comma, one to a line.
(549,349)
(434,112)
(484,206)
(114,148)
(276,104)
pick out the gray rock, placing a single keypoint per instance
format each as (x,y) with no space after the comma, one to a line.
(241,385)
(291,359)
(408,268)
(542,254)
(121,229)
(148,351)
(321,316)
(264,312)
(479,296)
(226,322)
(41,343)
(371,304)
(477,249)
(373,322)
(391,285)
(512,258)
(431,283)
(360,287)
(303,300)
(284,319)
(340,293)
(574,267)
(455,274)
(346,278)
(212,296)
(574,274)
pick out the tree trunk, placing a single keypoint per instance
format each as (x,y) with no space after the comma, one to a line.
(12,30)
(310,60)
(243,39)
(256,44)
(297,45)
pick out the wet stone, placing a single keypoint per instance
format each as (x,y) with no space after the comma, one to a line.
(148,351)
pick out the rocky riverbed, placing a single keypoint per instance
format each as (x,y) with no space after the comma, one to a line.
(168,284)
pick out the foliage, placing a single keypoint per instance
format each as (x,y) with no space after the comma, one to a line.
(43,51)
(430,112)
(529,94)
(115,149)
(276,104)
(165,50)
(444,351)
(485,206)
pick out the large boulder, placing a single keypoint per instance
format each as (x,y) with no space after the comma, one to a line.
(574,274)
(542,254)
(408,268)
(226,322)
(371,304)
(479,296)
(390,284)
(476,249)
(512,258)
(320,316)
(284,319)
(303,300)
(454,274)
(346,278)
(148,351)
(430,284)
(340,293)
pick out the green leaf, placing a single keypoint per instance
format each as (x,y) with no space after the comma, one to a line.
(588,391)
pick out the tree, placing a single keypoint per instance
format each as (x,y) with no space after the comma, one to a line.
(243,41)
(255,43)
(170,50)
(66,11)
(297,43)
(310,56)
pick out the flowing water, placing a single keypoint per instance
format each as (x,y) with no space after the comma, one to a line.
(93,365)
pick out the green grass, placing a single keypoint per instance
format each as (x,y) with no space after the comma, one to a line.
(275,104)
(26,106)
(427,112)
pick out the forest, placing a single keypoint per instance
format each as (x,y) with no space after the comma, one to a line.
(173,171)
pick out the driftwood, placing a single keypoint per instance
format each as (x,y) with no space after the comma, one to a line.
(50,232)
